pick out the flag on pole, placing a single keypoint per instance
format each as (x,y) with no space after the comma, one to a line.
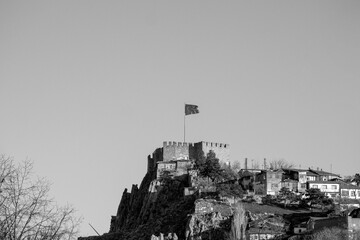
(191,109)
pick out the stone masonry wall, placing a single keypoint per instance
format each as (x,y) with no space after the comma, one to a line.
(175,151)
(157,156)
(221,150)
(172,151)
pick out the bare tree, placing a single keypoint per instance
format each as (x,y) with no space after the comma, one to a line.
(280,163)
(236,165)
(256,165)
(238,223)
(27,211)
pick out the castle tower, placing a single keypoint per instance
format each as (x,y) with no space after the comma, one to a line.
(221,150)
(175,151)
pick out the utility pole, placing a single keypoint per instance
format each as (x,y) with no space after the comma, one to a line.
(94,229)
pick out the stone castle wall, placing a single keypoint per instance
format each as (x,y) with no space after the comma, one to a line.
(157,156)
(221,150)
(174,151)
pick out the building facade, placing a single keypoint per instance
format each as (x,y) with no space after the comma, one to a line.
(175,158)
(330,188)
(271,179)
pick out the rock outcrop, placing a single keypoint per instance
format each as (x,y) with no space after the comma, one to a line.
(157,206)
(158,209)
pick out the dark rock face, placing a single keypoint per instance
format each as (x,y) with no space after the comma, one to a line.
(132,207)
(156,207)
(159,208)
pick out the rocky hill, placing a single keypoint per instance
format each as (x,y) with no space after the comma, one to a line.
(192,200)
(158,206)
(158,209)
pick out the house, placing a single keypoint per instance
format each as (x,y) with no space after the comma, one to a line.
(298,175)
(173,168)
(311,176)
(271,179)
(165,168)
(300,228)
(326,176)
(349,191)
(290,184)
(266,227)
(320,175)
(330,188)
(260,234)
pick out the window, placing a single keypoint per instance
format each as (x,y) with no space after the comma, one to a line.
(310,178)
(345,193)
(352,193)
(315,186)
(334,187)
(273,185)
(358,192)
(169,166)
(303,185)
(323,187)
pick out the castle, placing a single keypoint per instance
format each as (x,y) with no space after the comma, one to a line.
(176,157)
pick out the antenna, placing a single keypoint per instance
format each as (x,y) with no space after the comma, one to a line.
(94,229)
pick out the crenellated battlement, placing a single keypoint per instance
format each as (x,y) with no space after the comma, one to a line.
(221,150)
(172,151)
(218,145)
(176,150)
(176,144)
(182,144)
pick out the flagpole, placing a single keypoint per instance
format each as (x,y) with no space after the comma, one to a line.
(184,123)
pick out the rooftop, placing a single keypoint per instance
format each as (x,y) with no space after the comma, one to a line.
(322,182)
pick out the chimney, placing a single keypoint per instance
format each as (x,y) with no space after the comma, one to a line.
(246,166)
(265,167)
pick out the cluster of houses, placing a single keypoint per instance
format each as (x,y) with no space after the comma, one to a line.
(270,181)
(174,159)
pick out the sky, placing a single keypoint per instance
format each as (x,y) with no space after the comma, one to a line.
(88,89)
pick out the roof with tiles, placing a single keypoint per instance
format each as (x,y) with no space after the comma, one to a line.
(312,172)
(324,182)
(344,185)
(323,173)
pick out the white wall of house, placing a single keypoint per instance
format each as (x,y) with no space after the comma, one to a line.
(302,177)
(330,189)
(350,193)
